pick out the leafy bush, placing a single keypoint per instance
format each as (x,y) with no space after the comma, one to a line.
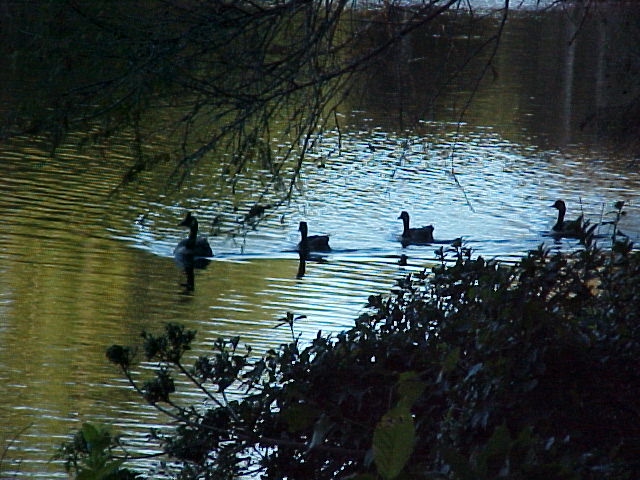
(90,455)
(473,370)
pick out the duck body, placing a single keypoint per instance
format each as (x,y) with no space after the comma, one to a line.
(415,236)
(316,243)
(566,228)
(193,245)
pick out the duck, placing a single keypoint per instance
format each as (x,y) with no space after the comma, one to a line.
(317,243)
(193,245)
(416,236)
(566,228)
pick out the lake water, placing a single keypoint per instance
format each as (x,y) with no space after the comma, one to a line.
(82,269)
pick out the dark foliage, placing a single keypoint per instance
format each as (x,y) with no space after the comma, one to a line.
(214,81)
(90,454)
(474,370)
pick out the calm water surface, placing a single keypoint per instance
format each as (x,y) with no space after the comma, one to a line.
(81,269)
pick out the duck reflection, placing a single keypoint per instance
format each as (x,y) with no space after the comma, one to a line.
(305,256)
(189,264)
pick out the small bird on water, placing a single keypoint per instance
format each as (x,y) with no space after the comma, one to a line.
(415,236)
(193,245)
(316,243)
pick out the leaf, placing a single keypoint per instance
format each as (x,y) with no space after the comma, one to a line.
(97,437)
(474,370)
(103,471)
(299,417)
(451,360)
(494,457)
(320,431)
(393,441)
(499,444)
(459,465)
(410,389)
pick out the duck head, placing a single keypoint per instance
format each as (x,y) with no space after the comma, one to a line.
(303,229)
(188,221)
(560,205)
(404,216)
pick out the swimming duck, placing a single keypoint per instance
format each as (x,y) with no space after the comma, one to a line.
(569,228)
(193,245)
(415,236)
(318,243)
